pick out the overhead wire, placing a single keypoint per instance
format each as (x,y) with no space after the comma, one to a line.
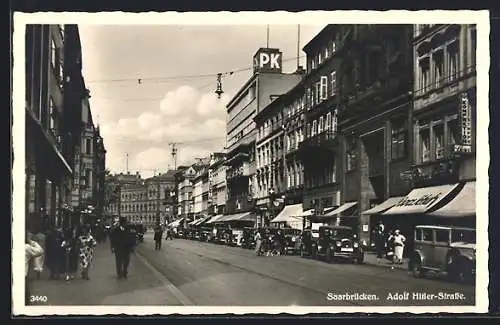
(140,80)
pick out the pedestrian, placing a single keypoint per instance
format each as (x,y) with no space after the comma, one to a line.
(169,234)
(122,244)
(39,261)
(32,250)
(380,243)
(87,244)
(399,244)
(258,243)
(158,233)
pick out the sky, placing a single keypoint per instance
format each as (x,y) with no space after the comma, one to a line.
(174,100)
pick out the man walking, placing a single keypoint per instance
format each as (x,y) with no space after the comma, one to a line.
(122,244)
(158,236)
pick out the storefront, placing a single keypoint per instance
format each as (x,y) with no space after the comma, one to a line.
(290,216)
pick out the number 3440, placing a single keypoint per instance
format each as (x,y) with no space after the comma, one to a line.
(38,298)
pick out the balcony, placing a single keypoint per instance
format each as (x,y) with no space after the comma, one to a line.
(324,141)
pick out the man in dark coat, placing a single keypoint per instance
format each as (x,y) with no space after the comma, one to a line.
(122,244)
(158,236)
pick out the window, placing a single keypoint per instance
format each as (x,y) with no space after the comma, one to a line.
(351,154)
(328,121)
(324,87)
(320,125)
(398,134)
(453,60)
(333,47)
(308,130)
(438,57)
(425,145)
(442,236)
(320,58)
(327,53)
(439,141)
(313,64)
(53,54)
(317,93)
(88,146)
(309,98)
(453,132)
(425,79)
(333,83)
(88,177)
(314,128)
(473,46)
(427,234)
(52,116)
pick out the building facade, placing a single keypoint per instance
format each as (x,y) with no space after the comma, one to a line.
(200,192)
(217,195)
(375,63)
(319,148)
(255,94)
(49,132)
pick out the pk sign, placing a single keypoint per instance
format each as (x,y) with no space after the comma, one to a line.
(267,60)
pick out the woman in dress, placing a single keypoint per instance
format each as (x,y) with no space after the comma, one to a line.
(87,244)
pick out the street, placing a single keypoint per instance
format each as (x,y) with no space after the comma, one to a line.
(188,272)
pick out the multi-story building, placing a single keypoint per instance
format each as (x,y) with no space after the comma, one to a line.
(374,68)
(200,193)
(443,128)
(217,195)
(51,56)
(185,186)
(100,172)
(134,203)
(278,171)
(255,94)
(319,149)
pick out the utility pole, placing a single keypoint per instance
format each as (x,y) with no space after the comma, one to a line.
(174,153)
(126,162)
(298,46)
(267,39)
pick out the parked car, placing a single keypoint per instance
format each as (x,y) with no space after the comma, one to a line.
(248,238)
(444,249)
(222,234)
(292,240)
(339,242)
(236,236)
(307,246)
(205,233)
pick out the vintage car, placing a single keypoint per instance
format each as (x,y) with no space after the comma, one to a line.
(307,246)
(236,236)
(291,240)
(444,249)
(205,233)
(339,242)
(222,234)
(248,238)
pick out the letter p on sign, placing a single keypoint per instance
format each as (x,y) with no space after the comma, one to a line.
(272,58)
(264,59)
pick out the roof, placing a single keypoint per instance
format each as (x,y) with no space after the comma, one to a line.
(319,38)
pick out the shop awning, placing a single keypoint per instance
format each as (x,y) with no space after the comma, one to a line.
(344,207)
(307,213)
(176,222)
(463,205)
(246,217)
(215,218)
(422,199)
(202,220)
(289,213)
(384,206)
(235,217)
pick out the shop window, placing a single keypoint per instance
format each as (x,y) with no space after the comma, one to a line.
(442,236)
(333,83)
(439,141)
(425,145)
(398,134)
(438,61)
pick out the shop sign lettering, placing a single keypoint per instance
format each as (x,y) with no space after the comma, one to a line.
(425,200)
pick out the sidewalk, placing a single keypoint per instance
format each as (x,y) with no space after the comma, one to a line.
(371,260)
(142,287)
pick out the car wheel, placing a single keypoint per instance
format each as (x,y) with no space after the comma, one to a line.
(416,269)
(461,270)
(328,255)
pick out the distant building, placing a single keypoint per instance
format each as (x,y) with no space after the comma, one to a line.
(217,184)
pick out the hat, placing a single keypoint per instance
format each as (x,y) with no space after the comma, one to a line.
(396,231)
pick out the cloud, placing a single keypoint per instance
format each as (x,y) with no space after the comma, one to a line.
(210,105)
(152,158)
(181,101)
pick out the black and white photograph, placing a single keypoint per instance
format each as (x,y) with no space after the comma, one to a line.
(250,162)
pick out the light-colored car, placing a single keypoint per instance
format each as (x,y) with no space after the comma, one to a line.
(444,249)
